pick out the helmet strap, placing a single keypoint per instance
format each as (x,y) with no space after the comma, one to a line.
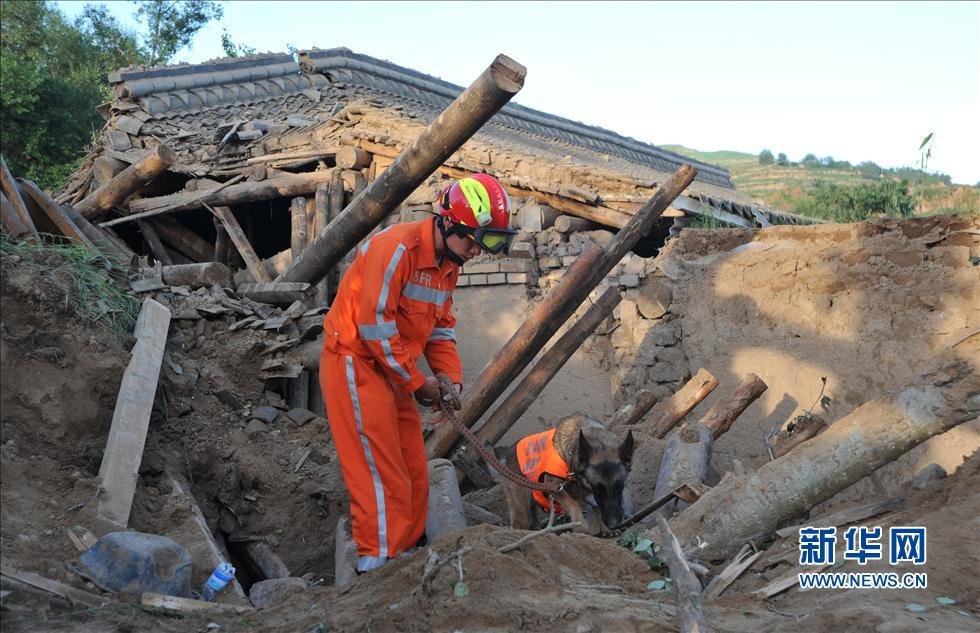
(447,252)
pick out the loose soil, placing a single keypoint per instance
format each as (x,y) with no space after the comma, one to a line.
(60,376)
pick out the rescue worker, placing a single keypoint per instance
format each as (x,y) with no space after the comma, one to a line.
(394,304)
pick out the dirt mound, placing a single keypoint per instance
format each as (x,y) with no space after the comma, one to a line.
(886,291)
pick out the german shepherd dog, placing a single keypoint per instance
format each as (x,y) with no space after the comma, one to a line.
(597,465)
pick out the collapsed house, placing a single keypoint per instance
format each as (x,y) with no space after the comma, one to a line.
(249,160)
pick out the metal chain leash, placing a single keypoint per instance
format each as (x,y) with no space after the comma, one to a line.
(450,403)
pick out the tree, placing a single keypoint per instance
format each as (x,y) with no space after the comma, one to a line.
(781,160)
(810,160)
(171,24)
(765,157)
(53,72)
(231,50)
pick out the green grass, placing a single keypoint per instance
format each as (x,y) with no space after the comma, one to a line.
(82,275)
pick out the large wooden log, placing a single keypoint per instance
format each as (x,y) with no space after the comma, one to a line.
(688,451)
(572,224)
(352,158)
(673,409)
(457,123)
(577,283)
(945,394)
(236,194)
(124,448)
(196,248)
(9,187)
(127,182)
(632,412)
(551,361)
(203,275)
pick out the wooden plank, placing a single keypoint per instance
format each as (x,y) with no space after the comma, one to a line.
(191,531)
(719,583)
(176,604)
(124,449)
(9,187)
(54,213)
(252,262)
(687,587)
(67,592)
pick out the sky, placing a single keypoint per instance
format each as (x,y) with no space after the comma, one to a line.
(853,80)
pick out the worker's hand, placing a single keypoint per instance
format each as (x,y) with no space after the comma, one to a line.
(428,394)
(452,400)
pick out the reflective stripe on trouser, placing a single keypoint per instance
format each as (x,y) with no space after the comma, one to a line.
(378,437)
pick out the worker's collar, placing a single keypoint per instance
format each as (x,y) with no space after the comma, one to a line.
(427,255)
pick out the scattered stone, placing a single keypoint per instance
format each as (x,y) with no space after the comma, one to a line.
(269,592)
(256,427)
(267,414)
(319,454)
(300,416)
(931,473)
(133,562)
(229,399)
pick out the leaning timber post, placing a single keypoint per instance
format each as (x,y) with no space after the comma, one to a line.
(335,206)
(688,450)
(946,394)
(297,238)
(127,182)
(321,217)
(9,187)
(457,123)
(584,274)
(551,361)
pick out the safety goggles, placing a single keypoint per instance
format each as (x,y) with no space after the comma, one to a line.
(490,240)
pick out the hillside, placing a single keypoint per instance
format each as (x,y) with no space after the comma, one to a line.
(786,187)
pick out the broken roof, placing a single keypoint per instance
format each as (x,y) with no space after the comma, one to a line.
(218,114)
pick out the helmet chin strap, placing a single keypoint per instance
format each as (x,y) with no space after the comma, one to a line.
(446,251)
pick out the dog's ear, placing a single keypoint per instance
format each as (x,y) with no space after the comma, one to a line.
(584,450)
(626,451)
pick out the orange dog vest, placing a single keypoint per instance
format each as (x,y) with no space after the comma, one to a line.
(537,455)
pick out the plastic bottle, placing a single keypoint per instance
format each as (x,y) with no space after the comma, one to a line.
(221,576)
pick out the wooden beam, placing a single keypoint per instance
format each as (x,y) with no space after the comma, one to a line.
(632,412)
(578,282)
(687,587)
(55,214)
(669,412)
(11,220)
(183,239)
(202,275)
(175,604)
(252,262)
(153,241)
(9,187)
(235,195)
(799,430)
(297,235)
(524,394)
(124,449)
(276,292)
(944,395)
(66,592)
(127,182)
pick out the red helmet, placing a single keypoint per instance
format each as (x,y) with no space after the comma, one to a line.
(480,204)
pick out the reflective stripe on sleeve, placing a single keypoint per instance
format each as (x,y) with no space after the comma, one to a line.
(443,334)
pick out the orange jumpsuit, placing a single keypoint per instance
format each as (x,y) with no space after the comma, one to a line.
(394,304)
(537,455)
